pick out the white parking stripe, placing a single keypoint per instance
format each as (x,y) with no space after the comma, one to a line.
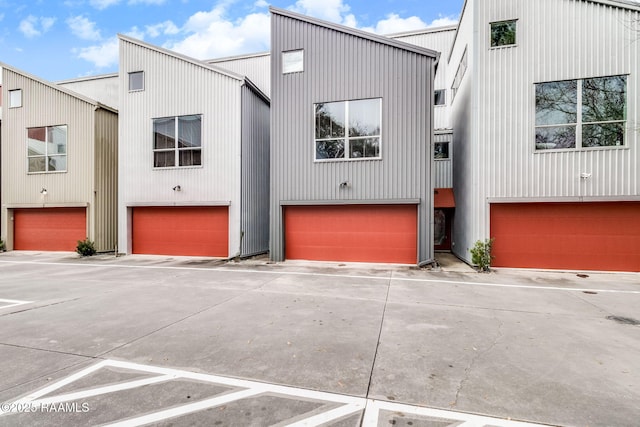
(6,303)
(345,276)
(348,405)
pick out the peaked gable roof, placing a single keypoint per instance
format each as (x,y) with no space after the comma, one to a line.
(357,33)
(57,88)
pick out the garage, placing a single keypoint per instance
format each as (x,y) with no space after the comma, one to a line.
(578,236)
(181,230)
(49,229)
(353,233)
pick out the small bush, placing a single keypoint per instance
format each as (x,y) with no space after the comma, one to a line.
(2,246)
(86,247)
(481,254)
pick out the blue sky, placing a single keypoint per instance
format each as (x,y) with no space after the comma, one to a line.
(58,40)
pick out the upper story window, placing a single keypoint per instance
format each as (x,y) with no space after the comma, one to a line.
(462,69)
(503,33)
(136,81)
(15,98)
(177,141)
(348,130)
(47,149)
(293,61)
(585,113)
(439,97)
(441,151)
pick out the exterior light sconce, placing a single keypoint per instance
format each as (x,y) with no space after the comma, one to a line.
(177,188)
(344,184)
(585,175)
(43,191)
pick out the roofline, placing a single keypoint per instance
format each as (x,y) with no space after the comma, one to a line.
(251,85)
(182,57)
(54,86)
(236,57)
(357,33)
(428,30)
(87,78)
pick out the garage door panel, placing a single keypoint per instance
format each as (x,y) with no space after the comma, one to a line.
(188,231)
(361,233)
(580,236)
(49,229)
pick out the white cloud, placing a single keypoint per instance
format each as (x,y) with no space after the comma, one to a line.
(147,2)
(106,54)
(395,24)
(166,28)
(83,28)
(103,4)
(261,3)
(33,26)
(211,34)
(443,21)
(329,10)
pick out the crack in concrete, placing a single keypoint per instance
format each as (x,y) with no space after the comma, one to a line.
(467,370)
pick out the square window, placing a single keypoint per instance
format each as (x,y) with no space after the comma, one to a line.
(503,33)
(177,141)
(15,98)
(293,61)
(439,97)
(47,149)
(441,151)
(136,81)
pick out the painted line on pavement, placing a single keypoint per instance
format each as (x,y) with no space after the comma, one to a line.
(345,276)
(6,303)
(245,389)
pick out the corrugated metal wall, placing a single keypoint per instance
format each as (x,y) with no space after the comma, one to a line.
(255,173)
(339,66)
(174,87)
(556,40)
(105,213)
(103,89)
(43,105)
(256,67)
(441,40)
(442,169)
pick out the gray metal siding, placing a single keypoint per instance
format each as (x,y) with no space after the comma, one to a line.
(106,179)
(340,66)
(443,169)
(255,174)
(256,67)
(103,89)
(556,40)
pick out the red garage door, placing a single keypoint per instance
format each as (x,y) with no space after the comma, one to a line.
(357,233)
(191,231)
(577,236)
(49,229)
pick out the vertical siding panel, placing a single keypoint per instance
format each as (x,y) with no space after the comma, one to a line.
(106,192)
(256,67)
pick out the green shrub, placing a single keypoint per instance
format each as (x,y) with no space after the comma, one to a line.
(481,254)
(86,247)
(2,246)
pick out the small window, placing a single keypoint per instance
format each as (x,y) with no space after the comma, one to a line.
(47,149)
(293,61)
(136,81)
(15,98)
(462,69)
(185,150)
(503,33)
(440,97)
(348,130)
(441,151)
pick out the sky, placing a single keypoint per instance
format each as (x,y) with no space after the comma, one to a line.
(59,40)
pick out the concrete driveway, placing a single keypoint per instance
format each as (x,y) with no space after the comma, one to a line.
(141,340)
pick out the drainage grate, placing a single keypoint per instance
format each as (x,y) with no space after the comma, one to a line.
(624,320)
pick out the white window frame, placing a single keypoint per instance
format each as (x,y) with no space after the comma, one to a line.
(346,137)
(15,95)
(295,67)
(504,21)
(579,123)
(46,154)
(442,159)
(462,70)
(133,73)
(176,150)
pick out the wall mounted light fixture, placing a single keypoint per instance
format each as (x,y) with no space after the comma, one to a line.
(344,184)
(43,191)
(177,188)
(585,175)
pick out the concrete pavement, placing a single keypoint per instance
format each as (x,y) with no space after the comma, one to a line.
(540,347)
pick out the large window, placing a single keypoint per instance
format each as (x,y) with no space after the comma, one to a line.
(503,33)
(47,149)
(348,130)
(574,114)
(177,141)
